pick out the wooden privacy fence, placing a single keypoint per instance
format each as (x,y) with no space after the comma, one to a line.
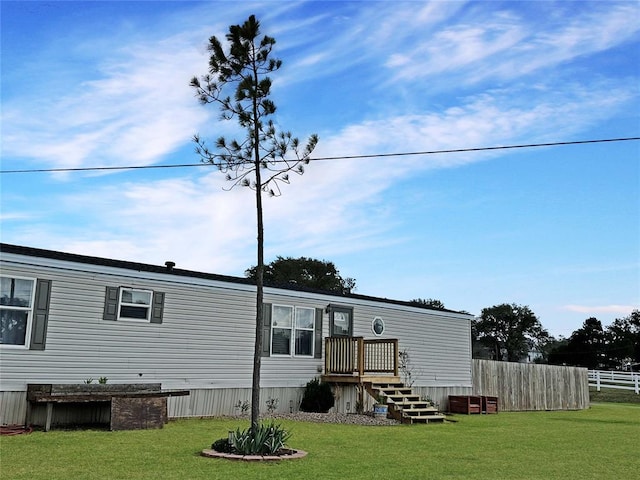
(618,380)
(529,386)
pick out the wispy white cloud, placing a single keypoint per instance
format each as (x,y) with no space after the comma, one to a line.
(505,45)
(138,111)
(336,207)
(589,32)
(456,48)
(510,115)
(139,108)
(8,216)
(194,222)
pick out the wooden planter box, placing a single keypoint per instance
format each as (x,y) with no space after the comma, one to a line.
(466,404)
(489,404)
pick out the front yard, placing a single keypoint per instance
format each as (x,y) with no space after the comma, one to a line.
(599,443)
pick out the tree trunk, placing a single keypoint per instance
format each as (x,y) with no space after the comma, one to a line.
(257,352)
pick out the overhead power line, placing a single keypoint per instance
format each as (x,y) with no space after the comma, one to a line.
(343,157)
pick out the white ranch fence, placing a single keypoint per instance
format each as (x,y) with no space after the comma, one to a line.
(619,380)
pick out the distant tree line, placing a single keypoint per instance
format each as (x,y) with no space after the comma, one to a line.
(513,333)
(593,346)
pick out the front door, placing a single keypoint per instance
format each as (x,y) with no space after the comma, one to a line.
(340,321)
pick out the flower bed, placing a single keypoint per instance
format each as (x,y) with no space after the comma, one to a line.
(284,454)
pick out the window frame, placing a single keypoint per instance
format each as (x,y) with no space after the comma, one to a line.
(333,309)
(29,323)
(149,305)
(293,329)
(280,327)
(302,329)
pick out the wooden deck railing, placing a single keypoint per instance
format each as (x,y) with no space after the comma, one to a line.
(349,355)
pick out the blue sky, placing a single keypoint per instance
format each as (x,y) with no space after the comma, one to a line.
(89,84)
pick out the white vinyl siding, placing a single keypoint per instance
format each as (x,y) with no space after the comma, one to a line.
(206,339)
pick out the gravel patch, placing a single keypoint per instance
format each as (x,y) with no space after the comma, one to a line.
(344,418)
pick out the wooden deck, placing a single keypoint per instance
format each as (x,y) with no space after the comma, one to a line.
(359,379)
(355,356)
(372,364)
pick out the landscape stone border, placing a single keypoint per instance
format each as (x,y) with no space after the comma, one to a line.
(254,458)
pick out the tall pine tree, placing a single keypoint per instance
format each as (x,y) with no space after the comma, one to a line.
(264,157)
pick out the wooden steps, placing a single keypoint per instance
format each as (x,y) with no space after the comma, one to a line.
(403,404)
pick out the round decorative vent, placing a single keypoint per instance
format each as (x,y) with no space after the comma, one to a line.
(377,326)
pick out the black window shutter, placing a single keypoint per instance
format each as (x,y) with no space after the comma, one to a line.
(157,309)
(317,351)
(266,329)
(111,304)
(40,315)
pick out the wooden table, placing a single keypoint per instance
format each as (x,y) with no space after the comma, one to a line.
(132,406)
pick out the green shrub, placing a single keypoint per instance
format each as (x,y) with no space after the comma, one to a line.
(317,397)
(268,439)
(222,446)
(272,405)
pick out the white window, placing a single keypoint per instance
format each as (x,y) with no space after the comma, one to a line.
(305,320)
(134,304)
(292,330)
(16,310)
(281,327)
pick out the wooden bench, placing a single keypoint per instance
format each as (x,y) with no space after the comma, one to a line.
(132,406)
(467,404)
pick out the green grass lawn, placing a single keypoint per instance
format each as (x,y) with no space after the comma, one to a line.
(599,443)
(613,395)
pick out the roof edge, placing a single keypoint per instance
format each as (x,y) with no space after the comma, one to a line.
(145,267)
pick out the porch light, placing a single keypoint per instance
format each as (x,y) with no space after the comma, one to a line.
(348,407)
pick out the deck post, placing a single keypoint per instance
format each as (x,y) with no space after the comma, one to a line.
(396,354)
(360,356)
(360,392)
(47,425)
(327,355)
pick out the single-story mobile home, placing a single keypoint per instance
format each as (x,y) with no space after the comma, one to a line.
(69,318)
